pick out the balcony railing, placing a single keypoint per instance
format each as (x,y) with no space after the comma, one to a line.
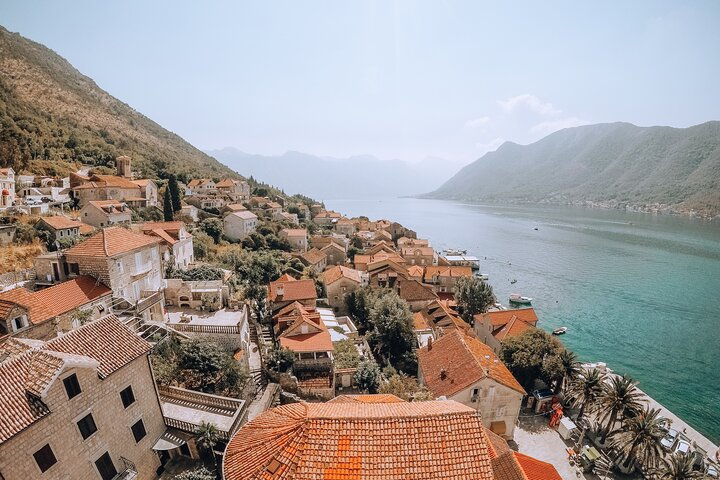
(218,329)
(149,298)
(128,470)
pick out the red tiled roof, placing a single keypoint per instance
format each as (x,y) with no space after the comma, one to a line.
(313,256)
(452,272)
(512,329)
(535,469)
(37,311)
(60,222)
(412,290)
(105,344)
(505,467)
(111,241)
(293,290)
(457,361)
(337,272)
(502,317)
(375,398)
(345,441)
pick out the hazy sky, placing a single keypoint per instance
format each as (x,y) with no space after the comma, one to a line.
(394,79)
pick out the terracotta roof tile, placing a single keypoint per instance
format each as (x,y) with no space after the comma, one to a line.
(361,440)
(449,272)
(505,467)
(292,290)
(376,398)
(335,273)
(535,469)
(111,241)
(412,290)
(105,344)
(59,222)
(463,361)
(502,317)
(313,256)
(67,296)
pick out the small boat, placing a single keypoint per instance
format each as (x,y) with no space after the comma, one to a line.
(455,252)
(483,276)
(517,298)
(513,281)
(535,228)
(559,331)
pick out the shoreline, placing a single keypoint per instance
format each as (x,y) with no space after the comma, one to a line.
(650,209)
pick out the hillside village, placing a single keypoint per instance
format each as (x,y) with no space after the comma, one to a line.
(163,329)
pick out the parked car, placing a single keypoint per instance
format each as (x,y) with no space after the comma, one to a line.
(682,447)
(712,471)
(669,439)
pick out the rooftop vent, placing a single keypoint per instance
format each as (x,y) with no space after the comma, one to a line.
(443,374)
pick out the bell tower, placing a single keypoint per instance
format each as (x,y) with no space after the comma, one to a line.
(124,166)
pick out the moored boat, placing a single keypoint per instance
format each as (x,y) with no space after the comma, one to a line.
(517,298)
(559,331)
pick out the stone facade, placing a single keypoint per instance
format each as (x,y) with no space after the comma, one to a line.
(101,398)
(239,225)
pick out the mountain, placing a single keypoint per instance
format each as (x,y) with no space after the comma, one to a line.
(52,116)
(333,178)
(613,164)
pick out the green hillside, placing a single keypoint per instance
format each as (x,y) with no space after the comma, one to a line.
(53,119)
(615,164)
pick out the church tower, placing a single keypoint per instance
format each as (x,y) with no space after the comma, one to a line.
(124,166)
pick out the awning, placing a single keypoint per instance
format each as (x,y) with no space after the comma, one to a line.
(498,428)
(168,441)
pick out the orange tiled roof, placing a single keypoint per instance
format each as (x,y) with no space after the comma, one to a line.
(420,322)
(38,312)
(412,290)
(502,317)
(143,182)
(60,222)
(235,207)
(451,271)
(225,183)
(316,340)
(415,271)
(346,441)
(337,272)
(512,329)
(114,181)
(294,232)
(506,467)
(111,241)
(375,398)
(67,296)
(293,290)
(457,361)
(105,344)
(313,256)
(535,469)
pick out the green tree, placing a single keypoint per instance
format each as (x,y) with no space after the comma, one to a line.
(586,390)
(201,473)
(202,245)
(174,193)
(637,443)
(531,356)
(392,337)
(213,227)
(367,376)
(678,467)
(207,436)
(346,354)
(167,206)
(620,399)
(359,303)
(403,386)
(280,360)
(473,296)
(570,369)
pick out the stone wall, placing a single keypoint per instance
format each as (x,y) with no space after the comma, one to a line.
(75,456)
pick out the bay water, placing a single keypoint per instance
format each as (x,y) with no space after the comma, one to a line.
(637,291)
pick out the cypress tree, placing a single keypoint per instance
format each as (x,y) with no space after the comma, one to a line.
(174,193)
(167,206)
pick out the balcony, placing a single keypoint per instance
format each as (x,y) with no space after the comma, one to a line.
(128,470)
(149,298)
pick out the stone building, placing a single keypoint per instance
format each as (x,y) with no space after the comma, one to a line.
(238,225)
(127,262)
(296,237)
(443,279)
(464,369)
(286,290)
(60,227)
(7,187)
(336,255)
(422,256)
(80,406)
(148,191)
(176,244)
(46,313)
(104,213)
(494,327)
(339,283)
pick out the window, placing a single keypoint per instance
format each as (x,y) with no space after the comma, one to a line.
(87,426)
(138,430)
(105,467)
(19,322)
(45,458)
(120,267)
(127,396)
(72,386)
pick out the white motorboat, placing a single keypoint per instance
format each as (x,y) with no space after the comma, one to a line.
(517,298)
(560,331)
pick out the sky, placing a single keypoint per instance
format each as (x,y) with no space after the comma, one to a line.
(393,79)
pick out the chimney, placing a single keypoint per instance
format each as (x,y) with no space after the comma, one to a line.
(280,290)
(429,344)
(443,374)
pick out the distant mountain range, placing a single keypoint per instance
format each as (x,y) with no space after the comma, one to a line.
(51,116)
(327,178)
(612,164)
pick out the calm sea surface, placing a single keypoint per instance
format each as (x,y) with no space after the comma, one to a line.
(637,291)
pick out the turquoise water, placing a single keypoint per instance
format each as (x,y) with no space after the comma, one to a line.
(637,291)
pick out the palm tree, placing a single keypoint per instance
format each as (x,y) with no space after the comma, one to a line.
(639,439)
(585,390)
(206,437)
(570,369)
(620,399)
(678,467)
